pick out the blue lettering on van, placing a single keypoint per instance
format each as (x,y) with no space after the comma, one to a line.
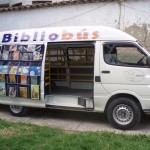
(35,36)
(25,37)
(6,38)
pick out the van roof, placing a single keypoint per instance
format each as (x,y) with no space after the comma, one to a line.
(60,34)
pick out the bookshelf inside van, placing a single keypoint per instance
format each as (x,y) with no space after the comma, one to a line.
(69,69)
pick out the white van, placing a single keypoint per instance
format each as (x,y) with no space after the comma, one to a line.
(97,69)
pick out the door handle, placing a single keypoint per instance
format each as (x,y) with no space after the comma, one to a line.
(105,71)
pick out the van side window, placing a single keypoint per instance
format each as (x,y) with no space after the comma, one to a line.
(124,54)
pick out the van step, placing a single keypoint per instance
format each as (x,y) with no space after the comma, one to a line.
(69,101)
(68,108)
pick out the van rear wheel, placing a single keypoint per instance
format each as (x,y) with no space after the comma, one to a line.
(123,113)
(18,111)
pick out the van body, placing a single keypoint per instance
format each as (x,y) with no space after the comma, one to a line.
(99,69)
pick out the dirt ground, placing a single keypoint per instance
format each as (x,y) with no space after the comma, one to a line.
(73,121)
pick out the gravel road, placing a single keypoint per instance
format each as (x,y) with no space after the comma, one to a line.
(73,121)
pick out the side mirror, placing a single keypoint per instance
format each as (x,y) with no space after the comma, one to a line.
(148,61)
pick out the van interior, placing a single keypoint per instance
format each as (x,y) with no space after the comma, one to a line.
(69,69)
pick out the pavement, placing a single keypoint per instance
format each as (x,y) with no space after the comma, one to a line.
(73,121)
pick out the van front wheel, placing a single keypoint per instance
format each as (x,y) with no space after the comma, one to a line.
(123,113)
(18,111)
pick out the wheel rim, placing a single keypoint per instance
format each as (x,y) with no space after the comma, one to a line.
(16,109)
(123,114)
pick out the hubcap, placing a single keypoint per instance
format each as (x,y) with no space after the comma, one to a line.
(16,109)
(123,114)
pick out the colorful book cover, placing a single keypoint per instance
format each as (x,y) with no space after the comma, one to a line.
(35,70)
(13,47)
(16,55)
(5,69)
(31,48)
(2,78)
(25,70)
(25,56)
(23,79)
(1,69)
(36,55)
(23,92)
(12,78)
(10,55)
(2,89)
(34,80)
(22,48)
(12,91)
(13,69)
(35,92)
(5,54)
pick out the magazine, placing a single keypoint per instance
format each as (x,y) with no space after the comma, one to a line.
(23,92)
(12,78)
(23,79)
(5,54)
(35,92)
(16,55)
(12,91)
(2,77)
(2,89)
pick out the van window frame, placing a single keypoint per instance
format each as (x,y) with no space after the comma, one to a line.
(127,43)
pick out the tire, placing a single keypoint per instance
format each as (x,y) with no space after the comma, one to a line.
(123,113)
(18,111)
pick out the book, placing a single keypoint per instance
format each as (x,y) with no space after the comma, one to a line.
(23,79)
(2,89)
(35,70)
(12,78)
(25,70)
(2,77)
(13,69)
(22,48)
(31,48)
(34,80)
(10,55)
(5,69)
(35,92)
(36,55)
(25,56)
(23,92)
(12,91)
(16,55)
(1,69)
(5,54)
(13,47)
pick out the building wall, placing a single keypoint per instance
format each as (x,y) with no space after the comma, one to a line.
(130,16)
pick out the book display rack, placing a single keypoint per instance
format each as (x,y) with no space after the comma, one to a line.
(20,70)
